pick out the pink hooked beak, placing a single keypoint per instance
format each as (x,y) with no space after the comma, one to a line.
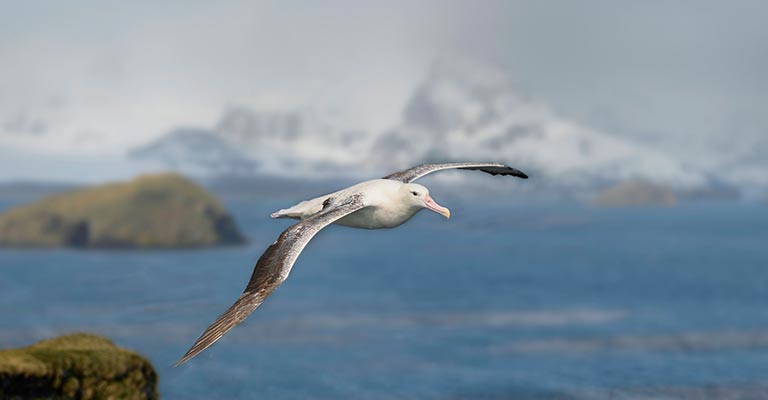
(432,205)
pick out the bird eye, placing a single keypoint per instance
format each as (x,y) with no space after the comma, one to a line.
(414,193)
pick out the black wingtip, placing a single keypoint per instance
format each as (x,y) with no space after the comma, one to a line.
(506,171)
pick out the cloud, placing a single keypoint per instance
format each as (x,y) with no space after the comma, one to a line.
(24,124)
(665,73)
(184,64)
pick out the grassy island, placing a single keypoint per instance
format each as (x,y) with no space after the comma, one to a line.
(78,366)
(160,211)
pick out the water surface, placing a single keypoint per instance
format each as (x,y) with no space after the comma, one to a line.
(499,302)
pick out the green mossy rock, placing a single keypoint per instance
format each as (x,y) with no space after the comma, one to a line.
(164,210)
(77,366)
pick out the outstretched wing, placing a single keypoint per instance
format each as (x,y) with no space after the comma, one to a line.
(411,174)
(271,270)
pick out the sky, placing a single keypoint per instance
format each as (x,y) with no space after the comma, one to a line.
(98,77)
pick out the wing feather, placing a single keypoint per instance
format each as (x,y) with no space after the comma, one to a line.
(411,174)
(271,270)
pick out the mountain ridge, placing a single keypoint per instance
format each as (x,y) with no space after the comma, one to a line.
(459,112)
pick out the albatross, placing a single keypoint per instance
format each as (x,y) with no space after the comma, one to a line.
(375,204)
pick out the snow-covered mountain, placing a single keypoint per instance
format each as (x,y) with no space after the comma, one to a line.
(304,142)
(462,113)
(196,151)
(459,112)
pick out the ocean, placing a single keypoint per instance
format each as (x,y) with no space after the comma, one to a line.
(501,302)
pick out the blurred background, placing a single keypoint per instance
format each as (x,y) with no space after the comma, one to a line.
(630,265)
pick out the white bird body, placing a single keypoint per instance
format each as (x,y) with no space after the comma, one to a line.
(374,204)
(387,205)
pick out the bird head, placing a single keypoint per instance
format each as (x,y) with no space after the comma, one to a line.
(418,196)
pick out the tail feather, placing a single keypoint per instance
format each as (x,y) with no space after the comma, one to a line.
(280,214)
(302,210)
(286,214)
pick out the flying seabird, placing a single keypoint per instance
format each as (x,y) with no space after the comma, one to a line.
(375,204)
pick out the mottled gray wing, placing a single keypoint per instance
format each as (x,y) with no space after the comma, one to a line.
(411,174)
(271,270)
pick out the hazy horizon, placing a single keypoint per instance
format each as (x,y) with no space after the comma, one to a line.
(95,79)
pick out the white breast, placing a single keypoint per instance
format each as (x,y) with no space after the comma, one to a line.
(385,210)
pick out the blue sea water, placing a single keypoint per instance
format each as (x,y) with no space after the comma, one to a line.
(532,302)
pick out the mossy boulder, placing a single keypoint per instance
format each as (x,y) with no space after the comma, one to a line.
(78,366)
(636,193)
(163,210)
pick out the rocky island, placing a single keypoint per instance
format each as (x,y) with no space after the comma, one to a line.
(77,366)
(151,211)
(636,193)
